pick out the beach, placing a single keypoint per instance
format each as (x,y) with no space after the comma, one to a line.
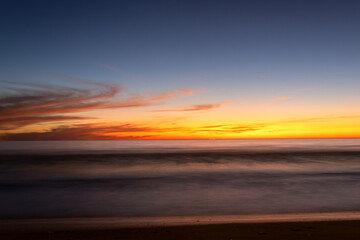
(326,230)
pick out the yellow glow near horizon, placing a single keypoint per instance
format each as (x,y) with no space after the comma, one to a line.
(201,126)
(231,120)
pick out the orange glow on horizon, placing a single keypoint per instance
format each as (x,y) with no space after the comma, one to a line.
(147,116)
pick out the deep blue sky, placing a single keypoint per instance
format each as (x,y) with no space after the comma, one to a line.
(174,39)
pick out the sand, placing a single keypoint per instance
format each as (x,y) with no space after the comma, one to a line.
(339,230)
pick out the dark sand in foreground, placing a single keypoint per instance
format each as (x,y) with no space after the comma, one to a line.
(339,230)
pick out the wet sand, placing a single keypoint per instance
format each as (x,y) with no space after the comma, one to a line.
(339,230)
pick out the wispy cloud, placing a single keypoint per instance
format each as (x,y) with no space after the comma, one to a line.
(162,96)
(113,68)
(16,122)
(200,107)
(232,128)
(39,101)
(320,118)
(22,104)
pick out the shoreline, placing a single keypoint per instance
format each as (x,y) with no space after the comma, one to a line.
(317,230)
(139,222)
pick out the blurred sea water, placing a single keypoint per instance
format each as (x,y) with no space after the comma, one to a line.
(178,178)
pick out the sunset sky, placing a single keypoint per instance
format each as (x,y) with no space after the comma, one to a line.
(92,70)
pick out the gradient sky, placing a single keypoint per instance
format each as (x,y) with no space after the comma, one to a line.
(179,69)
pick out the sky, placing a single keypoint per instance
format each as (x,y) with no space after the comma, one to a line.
(103,70)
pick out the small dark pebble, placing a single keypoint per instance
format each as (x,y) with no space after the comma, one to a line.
(295,229)
(262,233)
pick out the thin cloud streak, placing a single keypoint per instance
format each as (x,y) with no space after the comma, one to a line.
(233,128)
(13,123)
(113,68)
(41,99)
(324,118)
(200,107)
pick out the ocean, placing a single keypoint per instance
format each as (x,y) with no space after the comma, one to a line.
(178,178)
